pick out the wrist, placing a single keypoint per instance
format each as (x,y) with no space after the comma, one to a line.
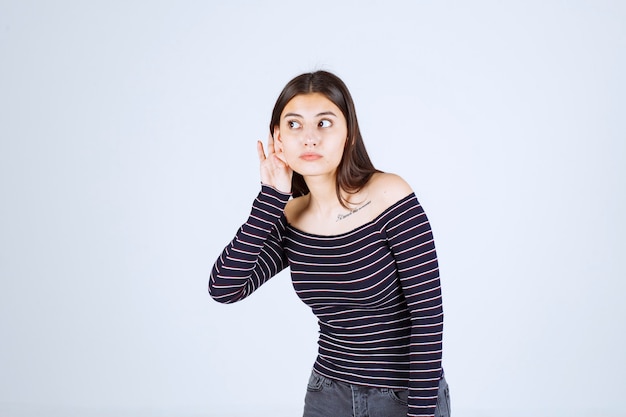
(276,189)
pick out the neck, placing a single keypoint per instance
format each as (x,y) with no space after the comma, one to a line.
(323,194)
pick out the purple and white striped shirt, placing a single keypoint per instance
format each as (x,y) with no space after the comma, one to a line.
(375,291)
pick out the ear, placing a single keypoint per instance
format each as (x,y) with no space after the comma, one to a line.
(278,143)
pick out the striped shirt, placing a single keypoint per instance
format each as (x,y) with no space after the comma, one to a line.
(375,291)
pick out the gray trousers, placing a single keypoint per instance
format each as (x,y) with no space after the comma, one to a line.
(328,398)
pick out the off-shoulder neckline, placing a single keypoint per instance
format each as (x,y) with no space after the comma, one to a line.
(356,229)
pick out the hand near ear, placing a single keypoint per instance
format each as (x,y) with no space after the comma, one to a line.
(274,169)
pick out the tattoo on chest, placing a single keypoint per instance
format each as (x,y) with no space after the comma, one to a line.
(343,216)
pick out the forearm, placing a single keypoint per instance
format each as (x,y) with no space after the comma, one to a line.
(425,357)
(255,254)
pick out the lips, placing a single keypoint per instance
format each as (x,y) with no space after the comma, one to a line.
(310,156)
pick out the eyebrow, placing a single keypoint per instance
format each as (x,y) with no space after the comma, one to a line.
(324,113)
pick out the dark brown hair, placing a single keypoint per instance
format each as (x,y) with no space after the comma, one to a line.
(355,168)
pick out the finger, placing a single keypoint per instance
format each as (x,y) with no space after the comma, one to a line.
(270,144)
(260,151)
(281,158)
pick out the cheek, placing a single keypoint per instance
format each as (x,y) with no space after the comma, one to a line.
(287,149)
(288,141)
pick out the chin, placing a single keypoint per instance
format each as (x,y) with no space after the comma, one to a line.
(313,174)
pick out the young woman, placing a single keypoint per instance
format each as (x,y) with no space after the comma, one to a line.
(361,254)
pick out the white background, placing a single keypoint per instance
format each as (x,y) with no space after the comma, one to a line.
(128,161)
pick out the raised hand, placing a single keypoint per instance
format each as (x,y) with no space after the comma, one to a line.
(274,169)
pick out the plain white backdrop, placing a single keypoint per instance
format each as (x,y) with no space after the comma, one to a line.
(128,161)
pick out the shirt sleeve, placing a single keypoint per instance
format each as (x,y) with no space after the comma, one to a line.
(255,254)
(412,244)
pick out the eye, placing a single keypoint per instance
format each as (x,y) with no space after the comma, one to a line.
(293,124)
(325,123)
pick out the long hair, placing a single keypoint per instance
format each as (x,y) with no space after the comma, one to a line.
(355,168)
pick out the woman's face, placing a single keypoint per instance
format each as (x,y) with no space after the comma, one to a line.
(312,134)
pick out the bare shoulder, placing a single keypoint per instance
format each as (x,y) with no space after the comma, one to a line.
(388,188)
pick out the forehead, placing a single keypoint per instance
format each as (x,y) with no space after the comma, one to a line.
(310,105)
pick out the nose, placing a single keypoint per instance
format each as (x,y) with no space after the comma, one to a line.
(310,137)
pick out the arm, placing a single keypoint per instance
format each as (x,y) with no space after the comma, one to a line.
(411,241)
(255,254)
